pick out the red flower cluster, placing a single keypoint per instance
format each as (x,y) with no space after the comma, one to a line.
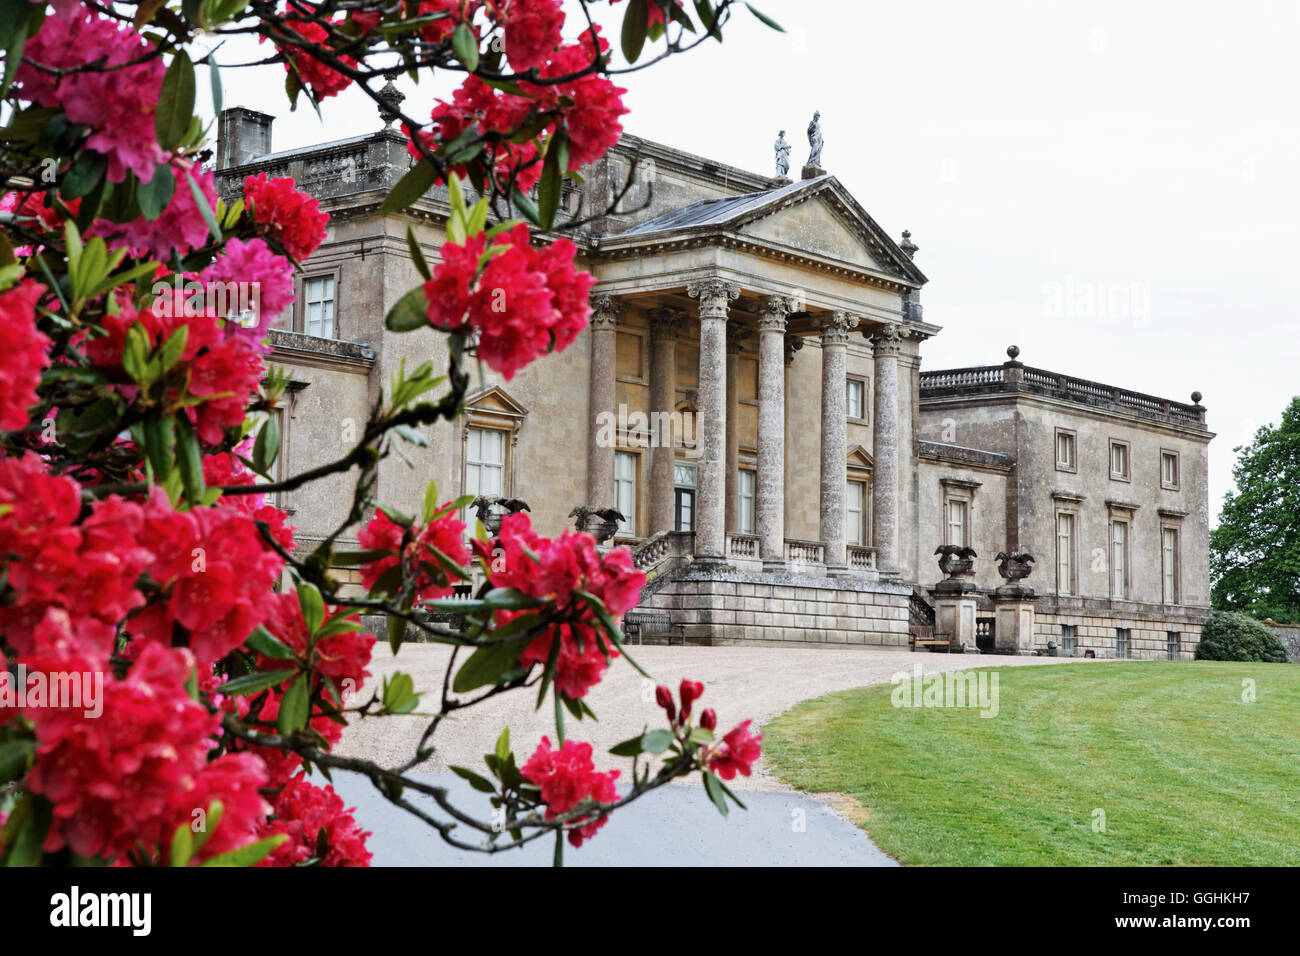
(690,691)
(128,779)
(587,109)
(737,753)
(87,569)
(26,353)
(551,570)
(179,228)
(225,370)
(524,303)
(532,31)
(323,81)
(310,815)
(446,535)
(341,657)
(214,575)
(567,777)
(289,217)
(117,104)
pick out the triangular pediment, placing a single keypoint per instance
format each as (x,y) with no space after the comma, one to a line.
(496,399)
(813,227)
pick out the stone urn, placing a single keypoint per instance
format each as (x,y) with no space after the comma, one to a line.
(956,561)
(1014,566)
(491,509)
(601,523)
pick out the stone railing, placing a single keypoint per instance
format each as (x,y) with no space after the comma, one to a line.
(804,552)
(662,549)
(1016,377)
(861,559)
(743,546)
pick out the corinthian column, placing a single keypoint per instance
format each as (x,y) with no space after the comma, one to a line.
(736,336)
(835,339)
(771,430)
(715,297)
(602,433)
(884,494)
(665,326)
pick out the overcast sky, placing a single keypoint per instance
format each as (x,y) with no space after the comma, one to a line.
(1111,186)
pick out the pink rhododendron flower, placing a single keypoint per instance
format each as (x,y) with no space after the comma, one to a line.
(525,303)
(323,81)
(25,353)
(252,268)
(308,814)
(532,31)
(737,753)
(445,535)
(179,228)
(567,777)
(291,218)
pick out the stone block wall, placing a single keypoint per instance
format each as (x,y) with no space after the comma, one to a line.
(1096,627)
(738,607)
(1290,638)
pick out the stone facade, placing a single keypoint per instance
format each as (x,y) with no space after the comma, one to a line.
(752,379)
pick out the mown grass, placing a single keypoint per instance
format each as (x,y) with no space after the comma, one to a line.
(1185,770)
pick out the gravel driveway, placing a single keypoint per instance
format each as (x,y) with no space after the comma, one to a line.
(739,682)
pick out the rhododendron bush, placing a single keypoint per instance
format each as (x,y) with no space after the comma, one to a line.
(140,548)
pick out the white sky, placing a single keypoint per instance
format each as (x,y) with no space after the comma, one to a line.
(1111,186)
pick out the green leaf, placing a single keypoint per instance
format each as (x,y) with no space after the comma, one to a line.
(312,605)
(502,749)
(205,210)
(713,786)
(254,683)
(486,665)
(396,631)
(398,695)
(267,447)
(25,830)
(411,312)
(176,102)
(268,645)
(465,46)
(86,172)
(479,783)
(635,23)
(410,187)
(628,748)
(20,24)
(249,855)
(15,758)
(159,434)
(191,461)
(295,707)
(157,193)
(182,847)
(656,741)
(525,205)
(417,255)
(430,506)
(548,191)
(214,75)
(766,20)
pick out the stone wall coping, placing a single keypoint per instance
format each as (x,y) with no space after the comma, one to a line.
(809,581)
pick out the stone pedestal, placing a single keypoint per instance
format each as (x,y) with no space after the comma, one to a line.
(812,172)
(954,614)
(1014,608)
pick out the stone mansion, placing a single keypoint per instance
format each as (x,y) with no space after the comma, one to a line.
(750,397)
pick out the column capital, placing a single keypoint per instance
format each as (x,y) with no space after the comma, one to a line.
(665,324)
(715,296)
(605,310)
(887,341)
(793,343)
(776,310)
(737,335)
(836,327)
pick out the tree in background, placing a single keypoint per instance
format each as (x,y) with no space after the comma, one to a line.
(163,698)
(1255,550)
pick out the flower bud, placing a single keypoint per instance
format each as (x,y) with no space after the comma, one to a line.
(664,698)
(708,719)
(690,691)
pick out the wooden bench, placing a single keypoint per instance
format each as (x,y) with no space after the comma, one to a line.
(638,623)
(922,635)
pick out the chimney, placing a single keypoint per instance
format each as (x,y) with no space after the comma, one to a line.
(243,135)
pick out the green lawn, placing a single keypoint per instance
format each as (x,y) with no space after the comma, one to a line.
(1186,772)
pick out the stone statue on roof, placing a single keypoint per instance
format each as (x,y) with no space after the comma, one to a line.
(782,154)
(815,140)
